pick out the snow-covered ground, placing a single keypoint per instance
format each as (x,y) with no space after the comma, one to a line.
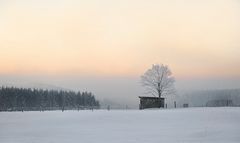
(213,125)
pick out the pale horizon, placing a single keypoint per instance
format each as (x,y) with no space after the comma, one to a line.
(62,43)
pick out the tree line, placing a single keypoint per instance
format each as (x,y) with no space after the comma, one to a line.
(212,98)
(27,99)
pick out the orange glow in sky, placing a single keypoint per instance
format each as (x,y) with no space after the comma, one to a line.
(197,38)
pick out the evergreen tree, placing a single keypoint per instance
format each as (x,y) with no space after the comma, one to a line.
(20,99)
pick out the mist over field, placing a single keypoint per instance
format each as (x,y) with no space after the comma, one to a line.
(119,71)
(105,46)
(117,91)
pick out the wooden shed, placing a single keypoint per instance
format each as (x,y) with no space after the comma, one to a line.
(151,102)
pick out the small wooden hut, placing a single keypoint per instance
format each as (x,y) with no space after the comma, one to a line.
(151,102)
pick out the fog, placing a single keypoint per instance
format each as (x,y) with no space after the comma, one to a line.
(104,46)
(117,91)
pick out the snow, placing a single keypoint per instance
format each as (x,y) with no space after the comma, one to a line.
(190,125)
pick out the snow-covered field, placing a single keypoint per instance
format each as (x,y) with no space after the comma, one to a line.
(122,126)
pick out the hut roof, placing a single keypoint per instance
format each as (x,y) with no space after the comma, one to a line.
(147,97)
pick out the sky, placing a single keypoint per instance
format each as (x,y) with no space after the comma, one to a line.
(106,45)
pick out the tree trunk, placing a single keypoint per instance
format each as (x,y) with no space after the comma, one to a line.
(159,91)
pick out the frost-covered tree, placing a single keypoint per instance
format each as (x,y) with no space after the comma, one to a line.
(158,80)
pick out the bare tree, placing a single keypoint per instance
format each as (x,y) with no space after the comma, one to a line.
(158,80)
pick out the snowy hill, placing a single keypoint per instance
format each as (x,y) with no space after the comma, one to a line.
(208,125)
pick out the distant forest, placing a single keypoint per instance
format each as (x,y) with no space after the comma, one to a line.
(27,99)
(210,98)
